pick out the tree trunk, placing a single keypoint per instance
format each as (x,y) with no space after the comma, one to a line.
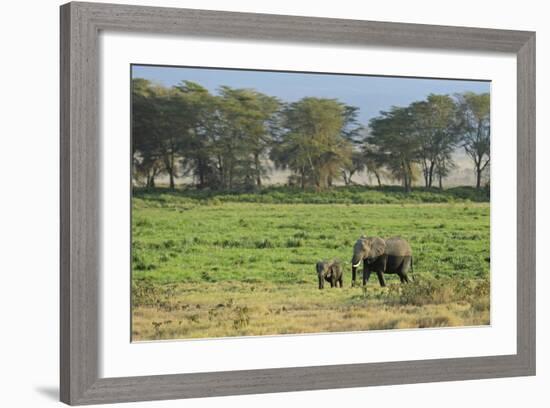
(405,180)
(220,168)
(408,172)
(440,182)
(169,165)
(405,175)
(150,180)
(201,170)
(430,174)
(201,178)
(478,178)
(172,181)
(302,178)
(257,168)
(318,180)
(345,177)
(425,171)
(378,178)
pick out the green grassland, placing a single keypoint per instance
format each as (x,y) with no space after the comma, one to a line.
(224,264)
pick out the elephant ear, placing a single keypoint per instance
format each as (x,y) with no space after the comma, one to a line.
(377,247)
(319,267)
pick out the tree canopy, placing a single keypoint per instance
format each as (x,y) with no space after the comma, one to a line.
(231,139)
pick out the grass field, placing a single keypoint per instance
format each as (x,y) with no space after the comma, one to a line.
(211,265)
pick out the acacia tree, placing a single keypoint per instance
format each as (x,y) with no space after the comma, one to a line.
(246,120)
(353,132)
(196,153)
(159,127)
(262,124)
(434,123)
(221,140)
(313,144)
(394,142)
(173,124)
(474,122)
(146,132)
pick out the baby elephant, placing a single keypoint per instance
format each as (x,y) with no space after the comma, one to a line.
(330,271)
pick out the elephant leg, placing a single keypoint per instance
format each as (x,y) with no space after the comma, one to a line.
(341,280)
(405,266)
(366,276)
(380,275)
(353,275)
(401,277)
(384,263)
(366,272)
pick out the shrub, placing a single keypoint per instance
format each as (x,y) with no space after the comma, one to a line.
(439,320)
(294,243)
(165,198)
(242,318)
(426,290)
(264,243)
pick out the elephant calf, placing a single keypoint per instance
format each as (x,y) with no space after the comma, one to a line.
(330,271)
(393,255)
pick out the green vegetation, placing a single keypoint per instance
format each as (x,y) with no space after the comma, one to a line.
(228,255)
(209,264)
(290,195)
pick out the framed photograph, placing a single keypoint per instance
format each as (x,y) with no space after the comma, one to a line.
(261,203)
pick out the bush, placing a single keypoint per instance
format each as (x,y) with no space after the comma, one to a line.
(294,243)
(426,290)
(291,195)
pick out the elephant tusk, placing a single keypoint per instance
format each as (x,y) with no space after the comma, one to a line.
(358,263)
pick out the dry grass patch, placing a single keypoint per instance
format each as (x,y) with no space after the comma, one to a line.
(211,311)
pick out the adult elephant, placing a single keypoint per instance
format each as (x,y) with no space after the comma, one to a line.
(393,255)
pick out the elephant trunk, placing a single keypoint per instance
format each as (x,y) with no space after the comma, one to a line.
(321,281)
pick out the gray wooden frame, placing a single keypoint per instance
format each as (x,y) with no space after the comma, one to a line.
(80,234)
